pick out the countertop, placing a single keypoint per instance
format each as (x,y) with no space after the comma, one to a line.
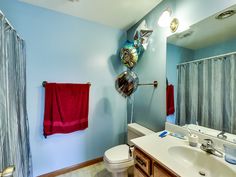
(157,149)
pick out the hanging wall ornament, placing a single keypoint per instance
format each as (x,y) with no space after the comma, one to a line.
(127,83)
(138,42)
(145,34)
(129,55)
(141,37)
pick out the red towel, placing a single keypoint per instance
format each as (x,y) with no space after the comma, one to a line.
(170,103)
(66,108)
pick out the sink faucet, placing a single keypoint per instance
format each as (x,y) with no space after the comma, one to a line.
(208,146)
(222,135)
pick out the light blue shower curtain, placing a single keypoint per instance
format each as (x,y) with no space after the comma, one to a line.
(14,130)
(207,93)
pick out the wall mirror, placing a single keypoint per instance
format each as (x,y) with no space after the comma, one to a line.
(201,76)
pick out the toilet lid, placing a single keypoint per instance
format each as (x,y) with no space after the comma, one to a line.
(118,154)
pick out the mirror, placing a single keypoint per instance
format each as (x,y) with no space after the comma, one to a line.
(201,76)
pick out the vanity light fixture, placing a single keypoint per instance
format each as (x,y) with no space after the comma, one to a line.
(174,24)
(225,14)
(164,19)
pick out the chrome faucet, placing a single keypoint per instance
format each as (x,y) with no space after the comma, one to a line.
(208,146)
(222,135)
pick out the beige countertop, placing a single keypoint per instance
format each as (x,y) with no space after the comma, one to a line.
(158,149)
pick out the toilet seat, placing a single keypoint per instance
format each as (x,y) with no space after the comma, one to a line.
(118,154)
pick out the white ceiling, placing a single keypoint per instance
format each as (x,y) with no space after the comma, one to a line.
(207,32)
(121,14)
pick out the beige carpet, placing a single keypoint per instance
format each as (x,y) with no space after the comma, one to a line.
(96,170)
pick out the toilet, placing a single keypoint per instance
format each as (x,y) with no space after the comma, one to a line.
(117,160)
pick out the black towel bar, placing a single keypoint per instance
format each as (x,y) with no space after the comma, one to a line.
(44,83)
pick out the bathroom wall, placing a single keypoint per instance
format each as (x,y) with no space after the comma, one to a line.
(174,56)
(190,12)
(217,49)
(150,105)
(63,48)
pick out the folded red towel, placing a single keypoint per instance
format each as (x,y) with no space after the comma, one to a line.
(66,108)
(170,103)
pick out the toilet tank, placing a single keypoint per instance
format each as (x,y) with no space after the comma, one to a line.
(135,131)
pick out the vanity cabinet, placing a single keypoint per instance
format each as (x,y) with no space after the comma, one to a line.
(159,171)
(145,166)
(138,172)
(142,161)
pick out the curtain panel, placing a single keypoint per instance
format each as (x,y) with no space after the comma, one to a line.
(207,93)
(14,129)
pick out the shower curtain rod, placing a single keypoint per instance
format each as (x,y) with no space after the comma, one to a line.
(208,58)
(9,24)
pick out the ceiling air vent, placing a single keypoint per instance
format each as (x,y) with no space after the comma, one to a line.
(225,14)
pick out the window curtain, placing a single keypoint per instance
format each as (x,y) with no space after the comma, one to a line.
(207,93)
(14,130)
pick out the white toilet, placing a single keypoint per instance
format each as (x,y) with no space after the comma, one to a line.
(117,160)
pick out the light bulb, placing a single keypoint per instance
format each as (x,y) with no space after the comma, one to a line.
(164,19)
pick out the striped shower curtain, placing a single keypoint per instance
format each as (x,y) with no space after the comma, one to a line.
(14,130)
(207,93)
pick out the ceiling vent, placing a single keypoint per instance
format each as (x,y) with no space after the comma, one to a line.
(225,14)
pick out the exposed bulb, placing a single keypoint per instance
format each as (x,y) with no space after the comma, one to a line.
(165,18)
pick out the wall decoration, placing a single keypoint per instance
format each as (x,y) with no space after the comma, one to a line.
(129,54)
(128,82)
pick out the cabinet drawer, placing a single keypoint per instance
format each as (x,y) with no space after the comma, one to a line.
(138,172)
(159,171)
(143,161)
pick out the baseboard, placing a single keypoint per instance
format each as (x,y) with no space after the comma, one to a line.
(72,168)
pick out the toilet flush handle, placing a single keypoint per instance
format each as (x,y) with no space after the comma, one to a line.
(131,147)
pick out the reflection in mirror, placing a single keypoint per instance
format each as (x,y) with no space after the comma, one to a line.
(201,76)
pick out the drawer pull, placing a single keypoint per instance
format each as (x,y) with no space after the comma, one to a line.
(140,161)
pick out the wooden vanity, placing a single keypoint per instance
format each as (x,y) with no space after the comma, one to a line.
(145,166)
(173,157)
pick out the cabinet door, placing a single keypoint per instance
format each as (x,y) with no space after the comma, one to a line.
(138,172)
(143,161)
(159,171)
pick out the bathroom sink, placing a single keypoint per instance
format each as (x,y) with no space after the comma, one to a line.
(199,162)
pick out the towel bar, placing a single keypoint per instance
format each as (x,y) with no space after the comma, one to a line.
(44,83)
(155,84)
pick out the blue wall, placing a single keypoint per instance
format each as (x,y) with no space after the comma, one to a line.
(216,49)
(150,104)
(63,48)
(174,56)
